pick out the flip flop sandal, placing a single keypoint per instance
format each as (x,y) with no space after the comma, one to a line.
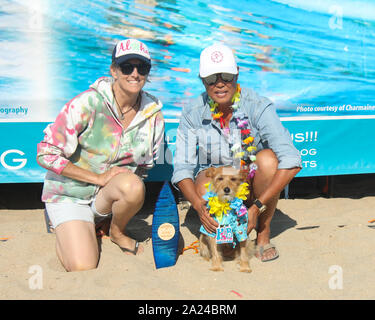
(262,249)
(134,251)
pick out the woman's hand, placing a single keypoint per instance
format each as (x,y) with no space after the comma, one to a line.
(188,189)
(105,177)
(80,174)
(207,221)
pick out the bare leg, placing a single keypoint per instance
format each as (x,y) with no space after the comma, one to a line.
(200,181)
(76,245)
(267,167)
(123,196)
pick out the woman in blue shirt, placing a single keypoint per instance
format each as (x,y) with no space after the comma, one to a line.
(228,125)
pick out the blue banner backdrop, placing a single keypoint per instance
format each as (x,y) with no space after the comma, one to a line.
(315,61)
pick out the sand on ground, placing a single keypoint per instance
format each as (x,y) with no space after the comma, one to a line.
(326,246)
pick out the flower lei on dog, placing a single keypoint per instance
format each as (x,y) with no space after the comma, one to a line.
(218,208)
(245,150)
(232,213)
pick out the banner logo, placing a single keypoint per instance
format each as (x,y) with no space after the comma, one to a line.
(8,165)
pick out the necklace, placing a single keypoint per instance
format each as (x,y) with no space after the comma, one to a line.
(135,106)
(245,150)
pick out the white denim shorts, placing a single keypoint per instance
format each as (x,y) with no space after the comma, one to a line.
(59,213)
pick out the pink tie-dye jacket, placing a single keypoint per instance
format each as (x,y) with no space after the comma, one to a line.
(87,133)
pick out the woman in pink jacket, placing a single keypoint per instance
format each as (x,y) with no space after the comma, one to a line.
(97,152)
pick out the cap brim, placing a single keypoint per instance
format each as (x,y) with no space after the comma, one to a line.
(206,73)
(127,57)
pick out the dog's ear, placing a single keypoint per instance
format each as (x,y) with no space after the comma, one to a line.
(210,172)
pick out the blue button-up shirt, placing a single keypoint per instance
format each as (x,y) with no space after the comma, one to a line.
(201,142)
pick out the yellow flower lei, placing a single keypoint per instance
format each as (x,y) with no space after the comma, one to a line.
(243,191)
(219,208)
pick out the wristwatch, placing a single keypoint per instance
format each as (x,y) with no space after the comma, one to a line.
(262,207)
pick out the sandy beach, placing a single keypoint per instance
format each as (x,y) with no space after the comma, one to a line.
(326,250)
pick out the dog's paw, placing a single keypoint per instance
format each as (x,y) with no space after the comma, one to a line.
(247,269)
(217,268)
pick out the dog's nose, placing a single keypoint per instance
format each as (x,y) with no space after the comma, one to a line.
(226,190)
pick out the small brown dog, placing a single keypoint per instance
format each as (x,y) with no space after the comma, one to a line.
(225,182)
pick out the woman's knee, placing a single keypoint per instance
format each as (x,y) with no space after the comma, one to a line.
(76,245)
(78,257)
(131,187)
(80,265)
(78,261)
(267,161)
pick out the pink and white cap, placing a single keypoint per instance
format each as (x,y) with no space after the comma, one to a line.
(217,58)
(130,49)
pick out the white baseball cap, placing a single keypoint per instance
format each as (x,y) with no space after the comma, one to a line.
(130,49)
(217,58)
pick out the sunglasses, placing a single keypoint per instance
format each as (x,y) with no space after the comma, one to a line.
(142,68)
(212,79)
